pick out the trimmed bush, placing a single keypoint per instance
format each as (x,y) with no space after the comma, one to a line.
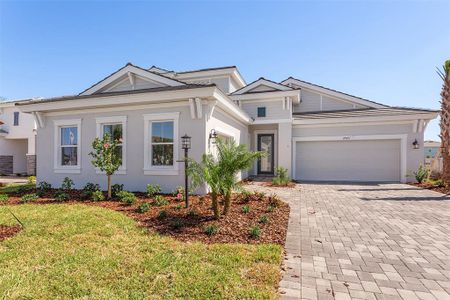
(91,187)
(153,189)
(255,232)
(143,207)
(44,186)
(162,214)
(127,197)
(28,198)
(3,197)
(116,189)
(98,196)
(211,229)
(61,196)
(160,201)
(67,184)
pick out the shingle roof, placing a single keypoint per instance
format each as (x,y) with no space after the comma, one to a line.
(108,94)
(363,112)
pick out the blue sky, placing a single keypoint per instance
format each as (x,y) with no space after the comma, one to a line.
(381,50)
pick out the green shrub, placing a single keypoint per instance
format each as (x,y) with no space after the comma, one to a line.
(263,219)
(153,189)
(439,183)
(44,186)
(86,195)
(270,208)
(61,196)
(116,189)
(29,197)
(160,201)
(246,195)
(3,197)
(162,214)
(67,184)
(260,195)
(31,179)
(421,174)
(143,207)
(91,187)
(177,223)
(127,197)
(246,209)
(211,229)
(255,232)
(281,177)
(178,206)
(274,200)
(98,196)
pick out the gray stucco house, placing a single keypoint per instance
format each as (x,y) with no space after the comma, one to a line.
(318,134)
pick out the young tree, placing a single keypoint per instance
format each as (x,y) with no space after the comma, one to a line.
(106,157)
(445,120)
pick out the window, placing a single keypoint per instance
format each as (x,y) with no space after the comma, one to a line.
(161,144)
(261,112)
(16,118)
(67,146)
(115,127)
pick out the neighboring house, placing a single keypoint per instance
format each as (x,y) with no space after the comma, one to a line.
(430,148)
(315,132)
(17,141)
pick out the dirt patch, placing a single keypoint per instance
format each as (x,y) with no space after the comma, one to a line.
(188,224)
(433,187)
(8,231)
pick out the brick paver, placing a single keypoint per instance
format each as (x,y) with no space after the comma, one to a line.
(355,241)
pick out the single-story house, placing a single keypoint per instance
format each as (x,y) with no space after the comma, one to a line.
(317,133)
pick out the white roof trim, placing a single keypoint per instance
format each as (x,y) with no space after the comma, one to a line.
(228,105)
(231,71)
(334,94)
(124,72)
(262,81)
(295,94)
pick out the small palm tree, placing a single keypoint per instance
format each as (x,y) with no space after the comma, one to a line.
(445,120)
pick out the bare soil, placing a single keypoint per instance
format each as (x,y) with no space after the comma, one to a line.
(8,231)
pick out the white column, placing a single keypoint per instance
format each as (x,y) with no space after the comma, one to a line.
(284,146)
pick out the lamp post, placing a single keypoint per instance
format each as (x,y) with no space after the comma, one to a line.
(186,145)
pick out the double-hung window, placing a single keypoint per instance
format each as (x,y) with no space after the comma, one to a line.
(115,127)
(16,118)
(161,144)
(67,146)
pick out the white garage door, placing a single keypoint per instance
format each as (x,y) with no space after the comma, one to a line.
(363,160)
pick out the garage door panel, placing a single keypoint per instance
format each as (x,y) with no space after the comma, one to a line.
(365,160)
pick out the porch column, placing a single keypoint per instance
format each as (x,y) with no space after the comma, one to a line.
(284,146)
(31,155)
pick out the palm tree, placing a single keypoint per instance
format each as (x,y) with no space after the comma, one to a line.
(445,120)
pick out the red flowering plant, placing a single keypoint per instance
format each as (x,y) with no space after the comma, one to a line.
(106,156)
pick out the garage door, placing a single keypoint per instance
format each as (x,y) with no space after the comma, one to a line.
(363,160)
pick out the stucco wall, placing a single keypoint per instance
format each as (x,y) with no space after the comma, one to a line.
(311,102)
(274,109)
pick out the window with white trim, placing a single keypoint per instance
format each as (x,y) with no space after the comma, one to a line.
(115,127)
(161,144)
(67,146)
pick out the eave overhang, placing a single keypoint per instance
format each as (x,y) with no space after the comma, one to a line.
(294,94)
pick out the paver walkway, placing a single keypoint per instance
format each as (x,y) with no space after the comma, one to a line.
(353,241)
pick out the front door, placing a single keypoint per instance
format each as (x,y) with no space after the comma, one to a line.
(266,144)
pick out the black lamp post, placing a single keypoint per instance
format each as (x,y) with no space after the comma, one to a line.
(186,145)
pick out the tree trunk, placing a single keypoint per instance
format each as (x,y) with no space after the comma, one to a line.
(445,129)
(109,187)
(227,204)
(215,205)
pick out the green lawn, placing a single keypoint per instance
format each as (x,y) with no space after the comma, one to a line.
(87,252)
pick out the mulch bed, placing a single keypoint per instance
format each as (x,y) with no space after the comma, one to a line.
(9,231)
(433,187)
(232,228)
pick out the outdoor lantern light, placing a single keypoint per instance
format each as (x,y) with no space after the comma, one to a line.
(213,136)
(186,145)
(415,144)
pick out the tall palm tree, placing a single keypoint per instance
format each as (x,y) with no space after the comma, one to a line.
(445,120)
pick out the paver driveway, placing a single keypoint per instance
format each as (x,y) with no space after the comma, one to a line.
(353,241)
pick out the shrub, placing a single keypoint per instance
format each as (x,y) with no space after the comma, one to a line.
(270,208)
(260,195)
(29,197)
(98,196)
(44,186)
(162,214)
(179,206)
(61,196)
(160,201)
(255,232)
(91,187)
(127,197)
(274,200)
(86,195)
(246,195)
(246,209)
(281,177)
(67,184)
(211,229)
(263,219)
(177,223)
(421,174)
(439,183)
(143,207)
(116,189)
(31,179)
(153,189)
(3,197)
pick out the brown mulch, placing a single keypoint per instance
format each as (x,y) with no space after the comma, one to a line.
(9,231)
(232,228)
(433,187)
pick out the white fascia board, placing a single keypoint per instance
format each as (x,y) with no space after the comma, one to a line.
(338,95)
(262,81)
(124,72)
(224,102)
(120,100)
(213,73)
(425,116)
(295,94)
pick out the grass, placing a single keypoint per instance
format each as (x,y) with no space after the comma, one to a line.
(79,251)
(17,188)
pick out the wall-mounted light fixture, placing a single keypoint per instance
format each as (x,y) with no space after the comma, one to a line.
(415,144)
(212,136)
